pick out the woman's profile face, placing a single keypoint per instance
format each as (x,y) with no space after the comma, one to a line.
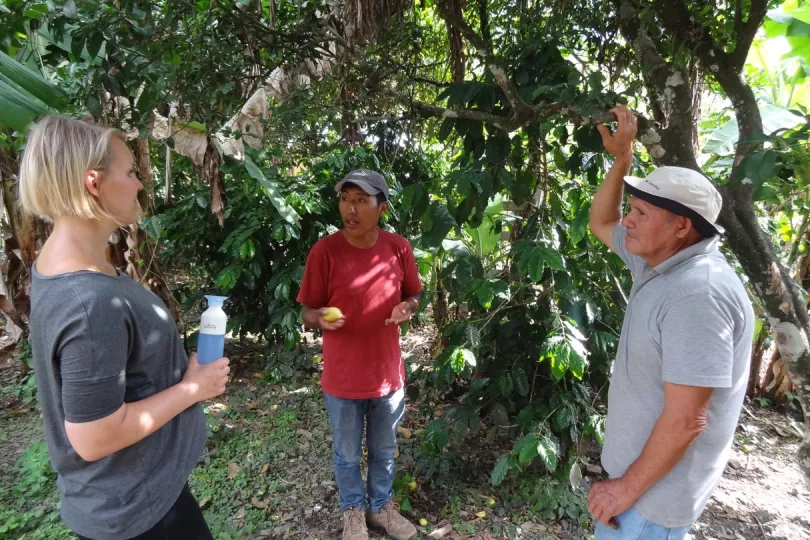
(119,185)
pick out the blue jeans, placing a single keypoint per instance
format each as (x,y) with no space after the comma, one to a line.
(380,417)
(632,526)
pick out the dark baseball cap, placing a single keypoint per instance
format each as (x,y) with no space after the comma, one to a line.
(371,182)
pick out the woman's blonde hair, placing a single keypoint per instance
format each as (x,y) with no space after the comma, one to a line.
(58,153)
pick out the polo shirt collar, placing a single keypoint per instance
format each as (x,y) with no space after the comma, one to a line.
(701,248)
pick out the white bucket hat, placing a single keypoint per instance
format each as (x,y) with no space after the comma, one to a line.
(682,191)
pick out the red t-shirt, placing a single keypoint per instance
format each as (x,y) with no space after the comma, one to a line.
(362,359)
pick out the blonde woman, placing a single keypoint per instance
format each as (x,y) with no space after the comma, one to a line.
(119,397)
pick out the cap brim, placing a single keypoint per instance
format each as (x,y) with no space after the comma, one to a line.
(362,184)
(703,226)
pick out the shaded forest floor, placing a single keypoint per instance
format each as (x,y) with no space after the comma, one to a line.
(267,469)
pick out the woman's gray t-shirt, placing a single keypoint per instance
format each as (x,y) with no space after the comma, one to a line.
(100,341)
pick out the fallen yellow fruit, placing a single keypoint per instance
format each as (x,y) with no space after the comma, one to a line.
(413,485)
(423,522)
(490,502)
(316,358)
(481,514)
(332,314)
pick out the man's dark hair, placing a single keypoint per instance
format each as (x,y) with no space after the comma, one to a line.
(349,185)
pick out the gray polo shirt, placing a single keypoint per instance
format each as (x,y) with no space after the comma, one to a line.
(98,342)
(689,321)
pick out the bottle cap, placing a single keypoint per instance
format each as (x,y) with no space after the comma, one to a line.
(215,301)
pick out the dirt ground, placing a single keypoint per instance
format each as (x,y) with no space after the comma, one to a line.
(267,472)
(762,493)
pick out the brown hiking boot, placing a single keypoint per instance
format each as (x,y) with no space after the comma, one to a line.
(354,525)
(392,521)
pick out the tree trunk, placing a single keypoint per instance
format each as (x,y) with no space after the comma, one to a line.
(757,352)
(772,282)
(781,296)
(22,236)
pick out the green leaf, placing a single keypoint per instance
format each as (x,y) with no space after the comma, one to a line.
(497,148)
(500,470)
(576,363)
(446,128)
(562,419)
(505,385)
(287,212)
(526,448)
(533,258)
(485,294)
(759,167)
(579,227)
(436,224)
(94,43)
(247,250)
(462,358)
(18,110)
(548,451)
(77,45)
(521,381)
(485,237)
(94,106)
(552,258)
(723,139)
(30,82)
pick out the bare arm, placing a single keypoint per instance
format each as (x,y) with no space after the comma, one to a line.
(683,419)
(135,421)
(606,206)
(313,318)
(403,311)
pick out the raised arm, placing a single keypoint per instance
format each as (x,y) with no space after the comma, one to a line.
(606,207)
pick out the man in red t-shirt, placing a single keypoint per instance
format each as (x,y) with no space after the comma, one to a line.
(371,276)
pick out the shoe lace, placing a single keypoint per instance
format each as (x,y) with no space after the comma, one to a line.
(391,512)
(355,521)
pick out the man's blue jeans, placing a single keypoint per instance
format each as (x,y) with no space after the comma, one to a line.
(380,418)
(633,526)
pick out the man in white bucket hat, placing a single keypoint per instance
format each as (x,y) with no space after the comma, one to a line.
(681,367)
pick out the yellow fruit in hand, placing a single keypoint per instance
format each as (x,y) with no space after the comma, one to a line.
(423,522)
(332,314)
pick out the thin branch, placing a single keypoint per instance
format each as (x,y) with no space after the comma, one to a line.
(738,17)
(500,122)
(484,50)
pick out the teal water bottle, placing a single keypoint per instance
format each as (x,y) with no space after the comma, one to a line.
(211,344)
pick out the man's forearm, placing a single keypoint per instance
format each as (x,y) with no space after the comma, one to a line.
(413,302)
(667,444)
(606,205)
(311,317)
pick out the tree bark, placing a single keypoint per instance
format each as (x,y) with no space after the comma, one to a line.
(772,282)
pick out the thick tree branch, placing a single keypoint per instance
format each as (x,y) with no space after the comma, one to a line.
(484,50)
(678,21)
(425,110)
(745,31)
(670,94)
(647,133)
